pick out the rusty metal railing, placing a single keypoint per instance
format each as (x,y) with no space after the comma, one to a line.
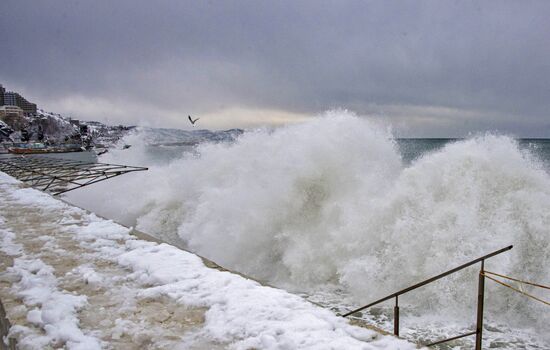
(480,298)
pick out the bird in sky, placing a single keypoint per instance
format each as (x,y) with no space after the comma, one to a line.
(192,121)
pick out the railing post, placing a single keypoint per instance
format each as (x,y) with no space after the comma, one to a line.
(480,297)
(396,317)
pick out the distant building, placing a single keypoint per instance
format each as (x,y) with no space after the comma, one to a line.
(2,92)
(14,99)
(10,110)
(10,98)
(13,116)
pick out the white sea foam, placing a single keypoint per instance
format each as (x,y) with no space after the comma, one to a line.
(331,202)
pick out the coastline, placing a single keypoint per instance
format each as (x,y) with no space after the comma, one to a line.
(74,279)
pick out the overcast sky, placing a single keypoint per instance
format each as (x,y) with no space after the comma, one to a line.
(429,68)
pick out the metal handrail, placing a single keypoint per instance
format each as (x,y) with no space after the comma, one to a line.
(481,288)
(58,176)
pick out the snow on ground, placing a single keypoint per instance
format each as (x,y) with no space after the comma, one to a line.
(73,280)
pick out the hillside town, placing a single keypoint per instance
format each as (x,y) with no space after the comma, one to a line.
(25,128)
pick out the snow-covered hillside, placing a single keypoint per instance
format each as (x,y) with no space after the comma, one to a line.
(57,128)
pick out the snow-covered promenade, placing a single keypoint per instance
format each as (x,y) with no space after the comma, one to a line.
(69,279)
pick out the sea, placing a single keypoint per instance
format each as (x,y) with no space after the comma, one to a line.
(340,211)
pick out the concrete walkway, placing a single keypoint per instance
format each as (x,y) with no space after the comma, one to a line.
(110,312)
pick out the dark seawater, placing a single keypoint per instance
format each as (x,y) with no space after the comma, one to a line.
(413,148)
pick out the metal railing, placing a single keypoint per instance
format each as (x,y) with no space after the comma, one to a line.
(480,297)
(58,176)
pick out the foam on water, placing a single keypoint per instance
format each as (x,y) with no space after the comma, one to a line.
(331,202)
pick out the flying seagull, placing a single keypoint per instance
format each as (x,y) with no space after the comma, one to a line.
(192,121)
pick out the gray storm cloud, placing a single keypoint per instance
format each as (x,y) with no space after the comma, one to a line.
(432,68)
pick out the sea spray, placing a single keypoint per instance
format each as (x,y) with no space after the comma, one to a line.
(466,200)
(330,202)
